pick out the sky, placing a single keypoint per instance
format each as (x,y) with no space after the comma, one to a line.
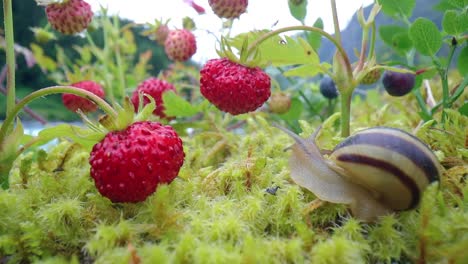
(261,14)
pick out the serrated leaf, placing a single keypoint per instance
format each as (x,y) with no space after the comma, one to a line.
(83,136)
(398,8)
(238,40)
(298,10)
(425,36)
(288,51)
(402,42)
(307,70)
(462,62)
(455,23)
(396,37)
(314,38)
(178,106)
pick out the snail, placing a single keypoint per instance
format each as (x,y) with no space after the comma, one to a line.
(375,171)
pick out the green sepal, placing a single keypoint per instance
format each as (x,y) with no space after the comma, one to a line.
(124,117)
(147,110)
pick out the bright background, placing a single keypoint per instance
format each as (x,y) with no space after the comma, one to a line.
(261,14)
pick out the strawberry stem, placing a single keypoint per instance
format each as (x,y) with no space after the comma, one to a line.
(48,91)
(10,55)
(336,23)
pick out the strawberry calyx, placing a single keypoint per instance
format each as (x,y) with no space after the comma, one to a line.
(157,31)
(249,57)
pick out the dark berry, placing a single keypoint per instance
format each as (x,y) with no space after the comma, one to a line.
(328,88)
(397,83)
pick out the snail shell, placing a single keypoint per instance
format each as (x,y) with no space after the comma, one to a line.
(376,171)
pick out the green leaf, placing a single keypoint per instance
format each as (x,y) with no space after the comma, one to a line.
(314,38)
(298,9)
(307,70)
(425,36)
(462,63)
(458,3)
(398,8)
(455,23)
(281,52)
(178,106)
(83,136)
(295,110)
(396,37)
(464,109)
(45,62)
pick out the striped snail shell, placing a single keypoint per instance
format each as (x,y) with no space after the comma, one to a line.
(376,171)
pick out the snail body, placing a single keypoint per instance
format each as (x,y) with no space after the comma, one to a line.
(376,171)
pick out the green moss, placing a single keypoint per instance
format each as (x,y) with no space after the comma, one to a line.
(219,210)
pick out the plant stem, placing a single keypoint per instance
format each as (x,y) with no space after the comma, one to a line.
(444,78)
(48,91)
(372,44)
(336,23)
(338,45)
(10,55)
(346,112)
(362,56)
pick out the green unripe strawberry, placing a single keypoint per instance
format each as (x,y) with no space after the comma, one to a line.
(372,77)
(279,103)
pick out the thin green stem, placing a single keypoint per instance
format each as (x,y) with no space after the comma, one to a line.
(362,56)
(336,23)
(446,94)
(120,68)
(443,73)
(338,45)
(372,43)
(10,55)
(425,113)
(53,90)
(345,112)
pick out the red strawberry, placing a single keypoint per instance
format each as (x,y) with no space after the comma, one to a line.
(128,165)
(180,45)
(155,88)
(228,8)
(74,102)
(70,16)
(233,87)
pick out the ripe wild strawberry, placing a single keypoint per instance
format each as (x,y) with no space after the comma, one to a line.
(180,45)
(128,165)
(70,16)
(74,102)
(155,88)
(232,87)
(228,8)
